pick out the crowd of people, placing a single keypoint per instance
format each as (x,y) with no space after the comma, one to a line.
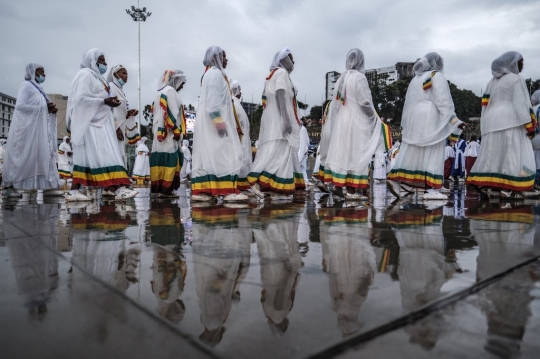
(355,143)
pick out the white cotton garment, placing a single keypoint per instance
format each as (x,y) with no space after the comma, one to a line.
(303,151)
(212,154)
(379,165)
(449,153)
(186,167)
(472,149)
(427,114)
(174,102)
(31,152)
(357,130)
(509,104)
(246,140)
(65,162)
(141,168)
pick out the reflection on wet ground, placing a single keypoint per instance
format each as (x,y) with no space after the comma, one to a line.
(313,277)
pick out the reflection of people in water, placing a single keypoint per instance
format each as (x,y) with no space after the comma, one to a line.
(349,261)
(422,269)
(169,273)
(221,250)
(504,235)
(100,246)
(280,262)
(35,267)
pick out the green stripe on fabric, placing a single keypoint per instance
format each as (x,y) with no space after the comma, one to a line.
(213,178)
(417,173)
(163,159)
(272,177)
(506,177)
(339,175)
(163,96)
(98,171)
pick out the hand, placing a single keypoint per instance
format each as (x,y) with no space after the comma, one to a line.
(112,101)
(132,113)
(287,130)
(221,129)
(51,107)
(531,135)
(464,127)
(119,134)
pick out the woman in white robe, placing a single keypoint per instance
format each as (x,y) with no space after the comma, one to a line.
(141,168)
(217,149)
(97,162)
(124,117)
(506,159)
(31,153)
(276,168)
(356,132)
(428,120)
(65,159)
(168,128)
(186,166)
(303,151)
(535,102)
(243,184)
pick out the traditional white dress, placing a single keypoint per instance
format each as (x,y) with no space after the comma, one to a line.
(303,151)
(280,264)
(141,168)
(2,155)
(216,160)
(97,161)
(31,153)
(326,135)
(276,167)
(506,158)
(355,134)
(349,261)
(166,158)
(220,256)
(186,166)
(379,166)
(128,126)
(428,120)
(243,183)
(65,162)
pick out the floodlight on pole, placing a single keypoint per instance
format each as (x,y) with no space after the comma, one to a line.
(138,15)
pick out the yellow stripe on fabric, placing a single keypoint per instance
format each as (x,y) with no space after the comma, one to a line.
(270,182)
(412,177)
(162,173)
(525,184)
(212,184)
(99,177)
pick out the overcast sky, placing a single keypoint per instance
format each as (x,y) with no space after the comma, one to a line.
(468,34)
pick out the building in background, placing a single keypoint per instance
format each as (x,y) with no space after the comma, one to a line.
(331,79)
(61,104)
(390,74)
(7,107)
(249,107)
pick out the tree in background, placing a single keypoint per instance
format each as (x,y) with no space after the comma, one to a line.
(532,85)
(148,115)
(389,99)
(190,108)
(466,103)
(255,123)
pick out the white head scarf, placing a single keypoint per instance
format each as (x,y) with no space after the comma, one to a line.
(89,59)
(30,72)
(235,88)
(173,78)
(65,138)
(112,71)
(185,143)
(505,64)
(214,57)
(430,62)
(355,60)
(535,98)
(281,59)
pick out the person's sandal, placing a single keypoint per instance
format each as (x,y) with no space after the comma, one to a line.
(511,195)
(486,192)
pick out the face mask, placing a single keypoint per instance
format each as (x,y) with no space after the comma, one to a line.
(102,68)
(121,82)
(287,64)
(40,79)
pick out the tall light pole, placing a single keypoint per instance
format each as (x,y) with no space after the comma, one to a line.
(139,15)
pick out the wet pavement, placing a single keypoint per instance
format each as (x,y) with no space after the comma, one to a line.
(383,278)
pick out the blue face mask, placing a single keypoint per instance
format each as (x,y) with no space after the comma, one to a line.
(121,82)
(102,68)
(40,79)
